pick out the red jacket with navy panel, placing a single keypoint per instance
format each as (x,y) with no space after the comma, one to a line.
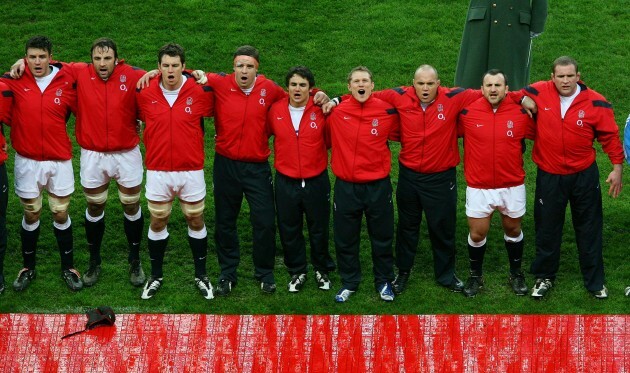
(494,143)
(359,135)
(565,146)
(303,154)
(173,136)
(38,121)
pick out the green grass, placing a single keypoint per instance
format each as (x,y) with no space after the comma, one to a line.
(392,38)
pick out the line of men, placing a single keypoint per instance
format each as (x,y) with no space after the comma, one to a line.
(426,118)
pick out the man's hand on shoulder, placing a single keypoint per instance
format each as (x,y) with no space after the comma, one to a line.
(144,81)
(17,69)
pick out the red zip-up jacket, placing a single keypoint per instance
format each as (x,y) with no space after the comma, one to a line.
(565,146)
(173,136)
(494,143)
(240,119)
(359,134)
(302,155)
(38,121)
(106,110)
(6,103)
(429,137)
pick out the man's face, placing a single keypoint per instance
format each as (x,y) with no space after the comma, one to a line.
(104,62)
(171,69)
(361,85)
(298,91)
(245,69)
(38,61)
(426,84)
(565,78)
(494,89)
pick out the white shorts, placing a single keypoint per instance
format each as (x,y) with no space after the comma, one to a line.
(164,186)
(32,176)
(99,168)
(480,203)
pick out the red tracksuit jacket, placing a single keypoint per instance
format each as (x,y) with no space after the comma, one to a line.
(6,103)
(359,134)
(302,155)
(565,146)
(173,136)
(494,143)
(38,123)
(429,138)
(107,110)
(240,119)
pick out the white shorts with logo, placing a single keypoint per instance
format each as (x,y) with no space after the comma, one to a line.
(32,176)
(98,168)
(480,203)
(164,186)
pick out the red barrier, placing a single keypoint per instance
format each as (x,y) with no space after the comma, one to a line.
(282,343)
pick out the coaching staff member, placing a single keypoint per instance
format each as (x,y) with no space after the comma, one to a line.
(173,108)
(302,187)
(570,117)
(361,161)
(43,99)
(494,129)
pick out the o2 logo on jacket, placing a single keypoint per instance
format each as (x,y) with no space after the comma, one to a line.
(313,119)
(189,101)
(58,93)
(440,109)
(374,130)
(123,80)
(263,94)
(581,116)
(510,127)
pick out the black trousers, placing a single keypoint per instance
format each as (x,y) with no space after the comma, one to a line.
(435,195)
(582,191)
(233,179)
(4,200)
(351,201)
(296,199)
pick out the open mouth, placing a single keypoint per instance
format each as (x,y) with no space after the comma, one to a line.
(361,91)
(171,77)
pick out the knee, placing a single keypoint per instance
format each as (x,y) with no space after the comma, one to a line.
(32,209)
(476,236)
(59,208)
(130,202)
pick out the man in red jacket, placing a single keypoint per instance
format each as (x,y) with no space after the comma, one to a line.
(570,117)
(43,99)
(6,102)
(173,108)
(106,131)
(494,129)
(302,187)
(361,161)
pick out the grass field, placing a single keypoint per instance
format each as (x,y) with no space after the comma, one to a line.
(392,38)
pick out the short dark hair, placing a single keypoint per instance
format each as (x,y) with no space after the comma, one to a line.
(104,43)
(39,42)
(302,71)
(564,61)
(494,72)
(247,50)
(172,50)
(359,68)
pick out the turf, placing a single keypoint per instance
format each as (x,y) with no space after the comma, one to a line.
(392,38)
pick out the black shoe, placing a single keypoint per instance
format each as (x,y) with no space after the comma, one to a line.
(91,275)
(323,282)
(268,287)
(72,277)
(297,282)
(24,278)
(136,274)
(400,282)
(456,286)
(224,287)
(517,281)
(151,287)
(473,285)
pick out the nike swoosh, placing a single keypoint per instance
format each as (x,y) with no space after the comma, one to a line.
(154,102)
(547,108)
(28,252)
(202,258)
(346,118)
(479,125)
(26,89)
(279,118)
(232,89)
(67,252)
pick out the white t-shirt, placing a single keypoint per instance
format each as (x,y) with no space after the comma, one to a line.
(43,82)
(171,96)
(296,116)
(565,102)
